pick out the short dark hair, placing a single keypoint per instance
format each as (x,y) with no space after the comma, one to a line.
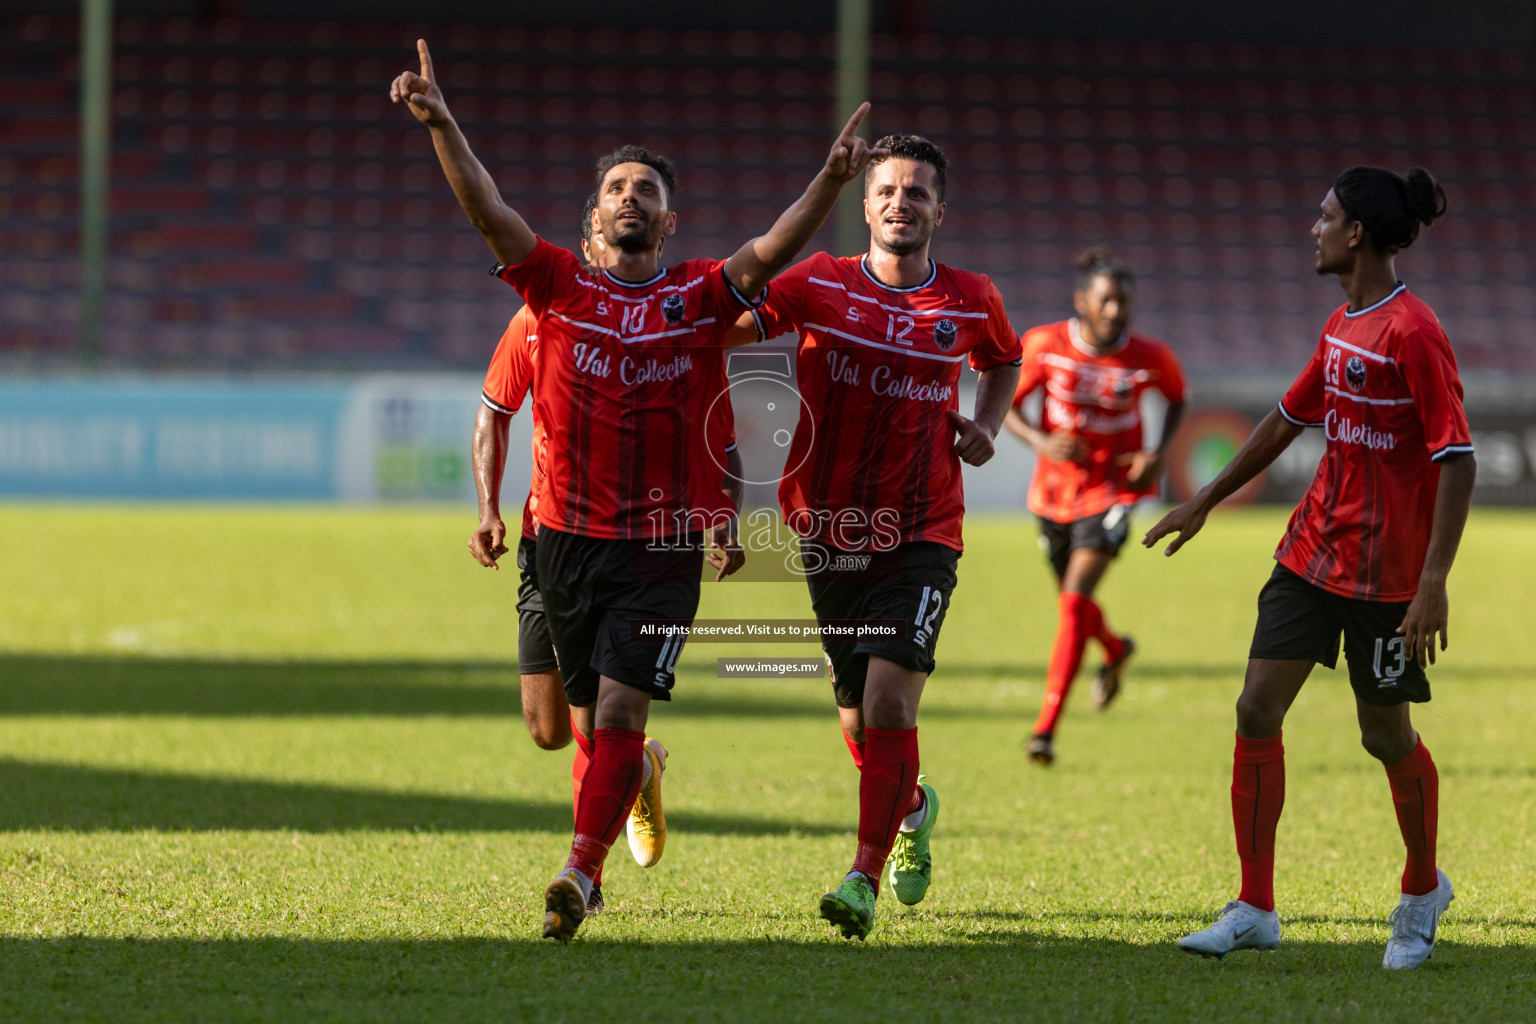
(586,218)
(632,154)
(912,147)
(1098,261)
(1390,207)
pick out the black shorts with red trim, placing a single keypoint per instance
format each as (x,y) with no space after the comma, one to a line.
(911,584)
(1106,532)
(535,651)
(1302,621)
(594,588)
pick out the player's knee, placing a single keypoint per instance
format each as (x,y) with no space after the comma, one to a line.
(890,711)
(852,721)
(1386,745)
(1258,717)
(620,706)
(1373,744)
(549,735)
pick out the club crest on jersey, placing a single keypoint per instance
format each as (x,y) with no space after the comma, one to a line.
(672,307)
(944,334)
(1354,374)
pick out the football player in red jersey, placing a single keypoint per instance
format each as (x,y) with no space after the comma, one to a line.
(872,485)
(1366,554)
(507,382)
(629,365)
(545,710)
(1091,466)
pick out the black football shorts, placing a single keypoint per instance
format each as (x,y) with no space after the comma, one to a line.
(593,588)
(1106,531)
(1302,621)
(910,584)
(535,651)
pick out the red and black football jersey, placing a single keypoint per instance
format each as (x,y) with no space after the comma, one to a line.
(509,378)
(1384,389)
(1096,394)
(872,460)
(626,376)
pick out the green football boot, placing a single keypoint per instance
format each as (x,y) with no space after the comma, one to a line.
(851,907)
(911,862)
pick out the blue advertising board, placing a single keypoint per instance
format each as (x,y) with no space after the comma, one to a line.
(391,437)
(168,439)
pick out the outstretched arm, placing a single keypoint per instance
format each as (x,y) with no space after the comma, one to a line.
(488,456)
(994,390)
(1430,610)
(508,236)
(1271,437)
(756,263)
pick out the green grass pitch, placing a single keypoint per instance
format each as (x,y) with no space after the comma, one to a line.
(268,764)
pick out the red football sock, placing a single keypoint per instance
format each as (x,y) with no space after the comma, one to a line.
(856,749)
(1113,645)
(885,791)
(1258,794)
(607,793)
(1080,619)
(1416,796)
(579,765)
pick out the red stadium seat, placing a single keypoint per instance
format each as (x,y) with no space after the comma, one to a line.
(272,143)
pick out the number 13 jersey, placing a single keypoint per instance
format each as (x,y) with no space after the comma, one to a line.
(1384,388)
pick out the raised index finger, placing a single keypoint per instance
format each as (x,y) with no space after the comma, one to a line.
(852,127)
(426,60)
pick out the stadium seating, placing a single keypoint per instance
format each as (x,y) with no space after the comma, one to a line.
(272,210)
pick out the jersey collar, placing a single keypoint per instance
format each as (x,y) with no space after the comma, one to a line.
(634,284)
(933,273)
(1076,335)
(1379,303)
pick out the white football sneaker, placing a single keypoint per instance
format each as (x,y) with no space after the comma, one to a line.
(1240,926)
(1413,926)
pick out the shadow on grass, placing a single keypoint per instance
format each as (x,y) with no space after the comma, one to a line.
(1019,974)
(83,799)
(1144,670)
(133,685)
(116,686)
(44,685)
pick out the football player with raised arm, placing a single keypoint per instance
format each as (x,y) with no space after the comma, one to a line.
(545,710)
(872,486)
(630,360)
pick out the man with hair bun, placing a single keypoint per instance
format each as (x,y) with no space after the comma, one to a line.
(1091,464)
(1366,554)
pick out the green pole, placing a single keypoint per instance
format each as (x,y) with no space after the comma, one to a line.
(95,151)
(852,89)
